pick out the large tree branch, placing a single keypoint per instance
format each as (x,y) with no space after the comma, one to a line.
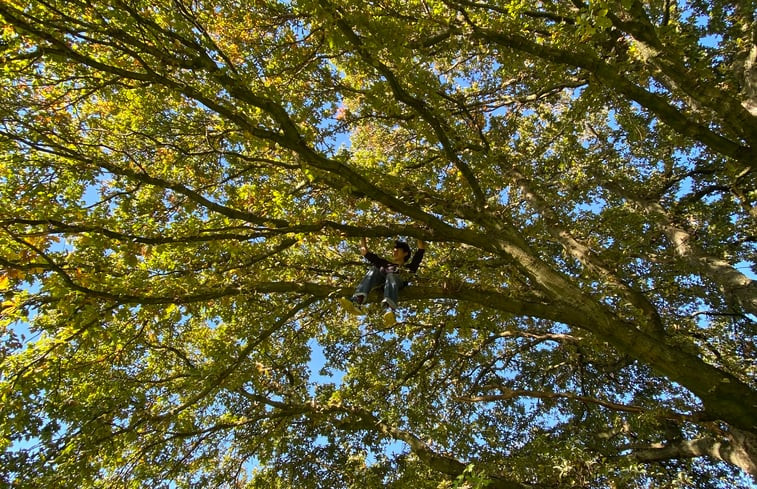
(586,257)
(737,450)
(667,68)
(417,104)
(56,226)
(738,289)
(610,76)
(452,289)
(507,394)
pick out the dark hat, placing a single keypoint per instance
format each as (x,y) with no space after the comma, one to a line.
(404,246)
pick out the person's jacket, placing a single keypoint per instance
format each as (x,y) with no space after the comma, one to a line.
(388,267)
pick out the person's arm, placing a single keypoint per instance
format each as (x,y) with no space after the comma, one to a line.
(417,257)
(372,258)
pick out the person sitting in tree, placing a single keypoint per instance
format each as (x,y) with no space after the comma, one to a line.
(387,273)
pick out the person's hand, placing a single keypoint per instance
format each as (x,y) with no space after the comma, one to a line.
(363,246)
(421,245)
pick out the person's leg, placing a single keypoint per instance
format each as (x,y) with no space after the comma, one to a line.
(372,279)
(392,288)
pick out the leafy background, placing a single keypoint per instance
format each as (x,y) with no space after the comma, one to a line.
(184,186)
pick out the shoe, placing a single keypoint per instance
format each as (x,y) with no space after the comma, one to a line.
(351,307)
(389,319)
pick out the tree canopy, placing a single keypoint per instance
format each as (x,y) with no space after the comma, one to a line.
(183,189)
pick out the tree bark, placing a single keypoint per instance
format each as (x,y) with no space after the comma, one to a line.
(740,449)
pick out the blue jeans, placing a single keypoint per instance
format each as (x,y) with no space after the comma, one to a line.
(392,283)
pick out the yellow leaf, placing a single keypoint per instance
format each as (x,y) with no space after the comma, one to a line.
(4,282)
(7,307)
(14,274)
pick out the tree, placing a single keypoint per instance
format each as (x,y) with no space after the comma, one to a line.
(183,189)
